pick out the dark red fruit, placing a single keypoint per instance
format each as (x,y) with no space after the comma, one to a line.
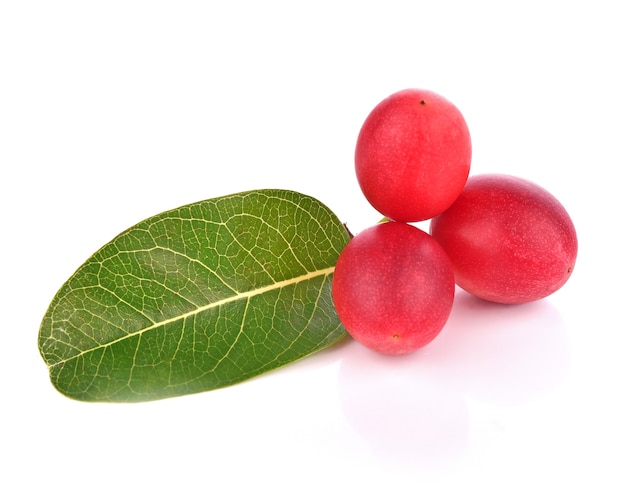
(393,288)
(413,155)
(510,240)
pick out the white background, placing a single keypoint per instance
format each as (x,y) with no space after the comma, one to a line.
(111,112)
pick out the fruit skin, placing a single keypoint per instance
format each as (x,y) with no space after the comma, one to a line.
(413,155)
(510,240)
(393,288)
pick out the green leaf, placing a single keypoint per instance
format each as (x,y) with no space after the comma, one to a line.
(197,298)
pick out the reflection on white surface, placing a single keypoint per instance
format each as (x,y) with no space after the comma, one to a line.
(414,408)
(400,411)
(503,354)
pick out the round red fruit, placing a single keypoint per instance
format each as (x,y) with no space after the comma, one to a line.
(413,155)
(393,288)
(510,240)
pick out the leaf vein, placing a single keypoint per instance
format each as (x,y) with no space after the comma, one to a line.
(239,296)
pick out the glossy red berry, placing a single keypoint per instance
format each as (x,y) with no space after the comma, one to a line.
(510,240)
(413,155)
(393,288)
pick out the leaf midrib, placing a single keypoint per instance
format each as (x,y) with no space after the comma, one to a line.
(239,296)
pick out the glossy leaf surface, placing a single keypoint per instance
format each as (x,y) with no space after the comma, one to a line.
(197,298)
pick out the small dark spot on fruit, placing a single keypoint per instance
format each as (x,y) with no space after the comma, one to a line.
(570,269)
(395,337)
(422,102)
